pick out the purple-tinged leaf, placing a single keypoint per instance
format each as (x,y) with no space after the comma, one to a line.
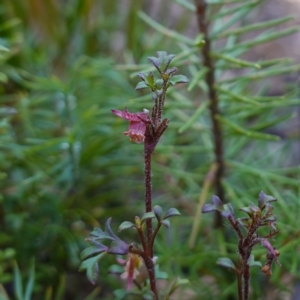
(226,262)
(271,250)
(91,267)
(217,202)
(209,208)
(148,215)
(171,71)
(172,212)
(156,63)
(162,62)
(166,223)
(158,212)
(263,199)
(178,79)
(118,247)
(228,211)
(255,209)
(96,248)
(99,234)
(109,231)
(126,225)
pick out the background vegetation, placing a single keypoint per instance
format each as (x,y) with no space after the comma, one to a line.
(66,167)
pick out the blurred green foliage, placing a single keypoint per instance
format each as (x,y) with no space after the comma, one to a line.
(66,167)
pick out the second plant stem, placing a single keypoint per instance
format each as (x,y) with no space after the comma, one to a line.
(201,7)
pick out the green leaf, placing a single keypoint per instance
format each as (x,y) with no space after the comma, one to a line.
(3,49)
(261,25)
(247,210)
(238,62)
(126,225)
(3,77)
(194,117)
(172,212)
(241,13)
(148,215)
(179,281)
(91,267)
(244,222)
(253,263)
(196,78)
(264,37)
(251,134)
(148,79)
(237,97)
(229,11)
(227,263)
(141,85)
(188,5)
(178,79)
(18,287)
(164,30)
(30,282)
(92,250)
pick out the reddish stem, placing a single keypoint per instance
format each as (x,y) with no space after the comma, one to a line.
(148,196)
(208,62)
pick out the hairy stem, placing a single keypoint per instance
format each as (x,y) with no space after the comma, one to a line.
(240,285)
(148,196)
(151,271)
(148,203)
(213,98)
(246,275)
